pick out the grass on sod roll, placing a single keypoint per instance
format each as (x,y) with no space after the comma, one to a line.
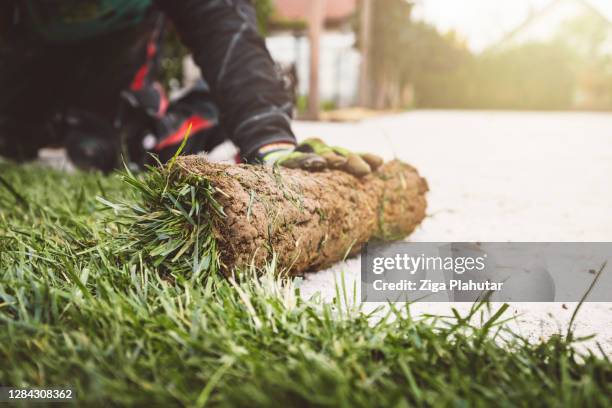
(109,285)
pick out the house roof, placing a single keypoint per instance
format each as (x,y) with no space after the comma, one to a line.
(604,7)
(594,6)
(298,10)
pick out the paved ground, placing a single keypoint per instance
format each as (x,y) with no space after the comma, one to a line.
(493,176)
(497,176)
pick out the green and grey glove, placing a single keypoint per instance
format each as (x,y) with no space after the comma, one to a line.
(314,155)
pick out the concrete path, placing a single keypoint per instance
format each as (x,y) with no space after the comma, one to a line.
(493,176)
(497,176)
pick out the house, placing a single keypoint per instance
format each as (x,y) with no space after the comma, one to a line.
(288,43)
(544,25)
(337,12)
(339,61)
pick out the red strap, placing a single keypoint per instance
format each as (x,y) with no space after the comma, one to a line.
(139,79)
(197,123)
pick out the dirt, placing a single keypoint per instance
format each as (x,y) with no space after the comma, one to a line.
(307,220)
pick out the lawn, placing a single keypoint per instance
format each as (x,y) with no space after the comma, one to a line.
(109,285)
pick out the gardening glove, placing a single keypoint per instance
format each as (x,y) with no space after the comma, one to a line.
(286,155)
(314,155)
(340,158)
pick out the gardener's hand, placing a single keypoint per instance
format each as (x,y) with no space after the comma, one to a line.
(315,155)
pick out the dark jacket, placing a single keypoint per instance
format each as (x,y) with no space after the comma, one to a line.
(223,36)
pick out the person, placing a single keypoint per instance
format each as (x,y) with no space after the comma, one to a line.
(83,74)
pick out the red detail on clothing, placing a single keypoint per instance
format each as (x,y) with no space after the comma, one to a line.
(139,79)
(151,49)
(163,100)
(197,123)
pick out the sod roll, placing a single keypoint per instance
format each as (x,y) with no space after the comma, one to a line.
(308,220)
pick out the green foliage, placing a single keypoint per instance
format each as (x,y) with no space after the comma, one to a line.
(518,78)
(390,62)
(403,50)
(123,303)
(590,37)
(301,104)
(586,35)
(264,10)
(173,52)
(328,105)
(572,71)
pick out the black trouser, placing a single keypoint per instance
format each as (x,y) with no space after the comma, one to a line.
(40,82)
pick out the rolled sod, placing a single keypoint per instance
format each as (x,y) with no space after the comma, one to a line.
(307,220)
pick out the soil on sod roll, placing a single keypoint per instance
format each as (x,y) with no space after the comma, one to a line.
(309,220)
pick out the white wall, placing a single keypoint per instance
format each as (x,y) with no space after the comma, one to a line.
(339,74)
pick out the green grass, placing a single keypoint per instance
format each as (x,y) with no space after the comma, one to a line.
(120,298)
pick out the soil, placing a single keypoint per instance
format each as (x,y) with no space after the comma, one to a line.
(308,221)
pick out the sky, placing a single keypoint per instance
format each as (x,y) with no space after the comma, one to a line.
(483,22)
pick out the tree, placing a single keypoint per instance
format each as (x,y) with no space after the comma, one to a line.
(264,10)
(589,37)
(402,50)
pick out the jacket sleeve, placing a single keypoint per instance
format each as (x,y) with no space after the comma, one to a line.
(223,37)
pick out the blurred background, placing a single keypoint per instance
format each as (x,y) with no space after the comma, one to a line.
(434,54)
